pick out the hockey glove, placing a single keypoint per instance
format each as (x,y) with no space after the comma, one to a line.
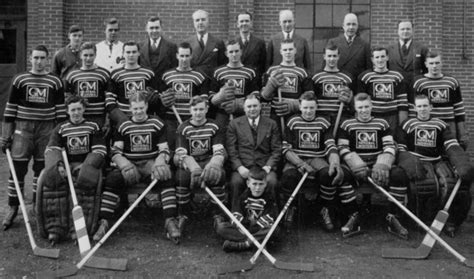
(212,172)
(161,170)
(190,164)
(168,98)
(128,169)
(345,95)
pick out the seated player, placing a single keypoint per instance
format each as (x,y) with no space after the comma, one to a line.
(200,156)
(366,145)
(84,145)
(140,153)
(310,147)
(256,210)
(430,141)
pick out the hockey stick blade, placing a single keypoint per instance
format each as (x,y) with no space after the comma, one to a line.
(239,267)
(308,267)
(46,252)
(60,273)
(119,264)
(469,263)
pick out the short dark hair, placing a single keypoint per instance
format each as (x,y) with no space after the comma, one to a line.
(184,45)
(362,96)
(405,20)
(138,97)
(432,54)
(308,96)
(378,48)
(154,18)
(422,97)
(287,41)
(110,20)
(75,99)
(41,48)
(75,28)
(88,45)
(331,46)
(244,13)
(131,43)
(199,99)
(231,42)
(257,173)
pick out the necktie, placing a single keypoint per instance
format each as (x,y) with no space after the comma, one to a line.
(405,48)
(350,40)
(254,124)
(155,44)
(201,41)
(287,35)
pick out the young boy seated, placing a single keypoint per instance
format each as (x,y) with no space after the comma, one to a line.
(256,210)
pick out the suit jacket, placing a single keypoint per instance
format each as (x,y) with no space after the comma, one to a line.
(353,59)
(414,64)
(166,61)
(207,60)
(303,55)
(244,151)
(254,55)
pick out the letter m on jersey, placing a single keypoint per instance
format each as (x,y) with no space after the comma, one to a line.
(309,139)
(383,90)
(140,142)
(88,89)
(37,94)
(184,90)
(366,139)
(78,144)
(425,137)
(133,86)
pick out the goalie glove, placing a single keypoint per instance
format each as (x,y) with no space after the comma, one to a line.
(168,98)
(128,169)
(190,164)
(161,169)
(381,168)
(357,165)
(460,160)
(275,80)
(212,172)
(225,94)
(233,106)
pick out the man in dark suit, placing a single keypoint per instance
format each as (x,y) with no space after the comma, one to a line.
(252,140)
(156,52)
(208,51)
(254,51)
(407,56)
(303,57)
(354,52)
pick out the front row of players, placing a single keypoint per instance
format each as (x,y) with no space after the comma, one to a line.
(428,157)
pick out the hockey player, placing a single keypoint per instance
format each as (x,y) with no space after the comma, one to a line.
(445,97)
(332,87)
(386,88)
(230,84)
(89,82)
(178,87)
(288,79)
(126,81)
(428,139)
(85,147)
(140,152)
(310,147)
(366,145)
(35,105)
(256,210)
(200,156)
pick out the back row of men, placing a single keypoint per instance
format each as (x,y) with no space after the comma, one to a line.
(36,102)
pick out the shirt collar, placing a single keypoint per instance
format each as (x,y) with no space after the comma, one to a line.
(204,37)
(347,38)
(291,34)
(408,43)
(157,41)
(256,121)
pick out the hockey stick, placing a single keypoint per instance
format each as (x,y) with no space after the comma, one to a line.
(81,229)
(175,111)
(275,262)
(338,120)
(73,270)
(466,262)
(282,119)
(42,252)
(423,251)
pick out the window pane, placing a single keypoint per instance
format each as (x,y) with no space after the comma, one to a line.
(360,1)
(323,15)
(363,13)
(7,46)
(339,11)
(307,34)
(322,35)
(304,1)
(304,16)
(318,61)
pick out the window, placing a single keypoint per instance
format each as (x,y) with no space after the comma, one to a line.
(320,20)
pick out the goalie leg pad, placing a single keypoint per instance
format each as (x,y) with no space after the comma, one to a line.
(424,194)
(462,202)
(289,180)
(52,204)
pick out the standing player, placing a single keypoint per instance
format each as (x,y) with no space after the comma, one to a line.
(230,85)
(429,139)
(89,82)
(35,105)
(445,97)
(310,147)
(178,87)
(366,145)
(85,148)
(287,78)
(67,58)
(127,81)
(332,86)
(200,156)
(386,88)
(140,152)
(110,51)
